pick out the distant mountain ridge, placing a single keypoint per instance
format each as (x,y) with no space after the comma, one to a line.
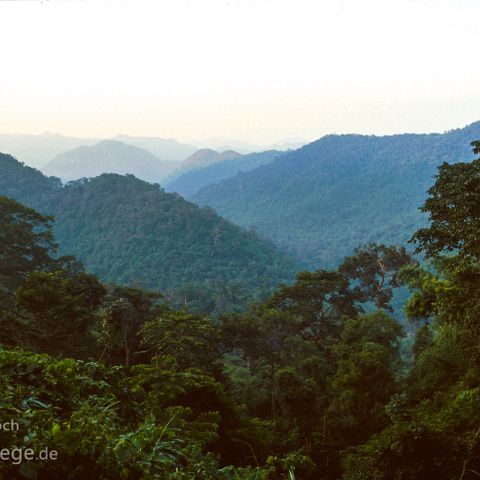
(108,156)
(207,156)
(192,181)
(322,200)
(200,159)
(163,148)
(38,150)
(245,148)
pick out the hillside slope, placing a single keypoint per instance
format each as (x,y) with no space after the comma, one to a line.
(191,182)
(200,159)
(131,232)
(25,184)
(322,200)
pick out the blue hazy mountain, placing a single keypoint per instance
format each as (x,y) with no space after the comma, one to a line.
(192,181)
(38,150)
(163,148)
(108,156)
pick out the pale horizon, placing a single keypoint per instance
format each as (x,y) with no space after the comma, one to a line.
(258,72)
(214,139)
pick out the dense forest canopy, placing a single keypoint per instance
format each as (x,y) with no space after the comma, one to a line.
(316,382)
(133,233)
(321,201)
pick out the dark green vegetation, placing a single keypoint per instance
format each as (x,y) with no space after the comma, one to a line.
(151,392)
(108,156)
(191,182)
(130,232)
(309,384)
(321,201)
(435,423)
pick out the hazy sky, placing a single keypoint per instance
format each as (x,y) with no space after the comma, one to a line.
(255,70)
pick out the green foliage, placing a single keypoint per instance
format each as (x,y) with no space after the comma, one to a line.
(321,201)
(215,296)
(191,340)
(435,421)
(440,440)
(305,385)
(365,376)
(123,314)
(294,465)
(450,296)
(47,304)
(25,184)
(102,426)
(53,316)
(423,340)
(26,241)
(454,212)
(130,232)
(375,269)
(319,299)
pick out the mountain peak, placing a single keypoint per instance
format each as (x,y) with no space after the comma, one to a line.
(108,156)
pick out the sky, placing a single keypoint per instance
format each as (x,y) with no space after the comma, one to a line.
(260,71)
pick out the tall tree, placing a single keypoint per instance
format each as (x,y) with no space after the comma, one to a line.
(53,315)
(365,380)
(26,242)
(192,340)
(374,270)
(125,312)
(453,206)
(319,299)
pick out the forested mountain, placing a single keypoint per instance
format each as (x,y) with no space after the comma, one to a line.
(316,381)
(38,150)
(131,232)
(25,184)
(305,385)
(322,200)
(191,182)
(108,156)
